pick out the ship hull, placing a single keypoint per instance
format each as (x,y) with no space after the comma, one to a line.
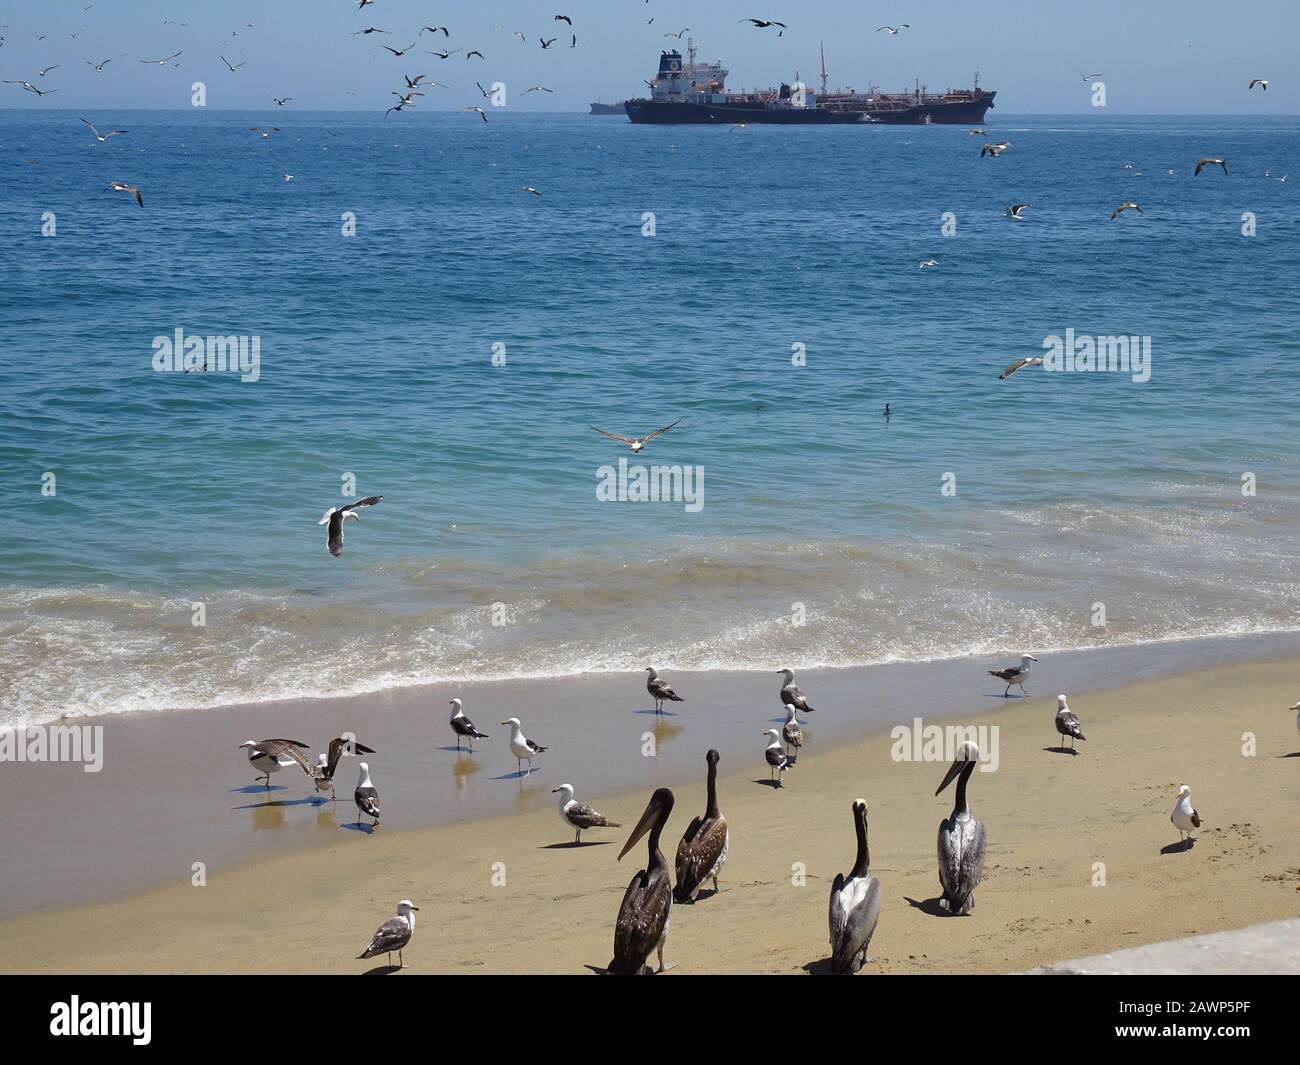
(675,113)
(608,109)
(941,113)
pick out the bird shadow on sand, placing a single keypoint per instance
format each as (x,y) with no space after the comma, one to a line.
(1014,695)
(1178,848)
(820,967)
(1063,750)
(931,906)
(358,826)
(258,789)
(1293,754)
(519,774)
(571,845)
(775,785)
(599,970)
(382,970)
(309,801)
(657,713)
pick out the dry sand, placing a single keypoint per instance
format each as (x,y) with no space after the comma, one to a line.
(1050,817)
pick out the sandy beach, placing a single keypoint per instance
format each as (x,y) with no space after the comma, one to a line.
(1051,818)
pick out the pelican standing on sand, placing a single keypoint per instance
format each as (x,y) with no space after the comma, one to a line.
(642,925)
(366,796)
(521,746)
(660,690)
(777,760)
(961,839)
(463,726)
(1067,722)
(393,935)
(578,815)
(791,732)
(704,847)
(270,756)
(1014,674)
(855,904)
(1185,817)
(790,693)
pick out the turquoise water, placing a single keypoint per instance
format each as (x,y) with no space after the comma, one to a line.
(1072,489)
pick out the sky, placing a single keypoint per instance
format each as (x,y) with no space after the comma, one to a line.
(1157,56)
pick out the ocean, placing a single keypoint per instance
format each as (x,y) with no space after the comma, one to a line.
(773,302)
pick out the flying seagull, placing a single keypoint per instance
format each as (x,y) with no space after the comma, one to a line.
(537,88)
(233,66)
(578,815)
(280,101)
(400,52)
(463,726)
(1034,360)
(546,43)
(529,188)
(102,137)
(122,186)
(1124,207)
(893,30)
(481,113)
(660,690)
(1013,210)
(99,67)
(396,932)
(1185,816)
(41,73)
(994,149)
(563,18)
(162,62)
(1086,77)
(264,131)
(336,516)
(1210,162)
(638,442)
(366,796)
(30,87)
(1014,674)
(762,23)
(1261,82)
(926,264)
(270,756)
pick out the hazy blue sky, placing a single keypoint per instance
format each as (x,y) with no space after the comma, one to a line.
(1158,56)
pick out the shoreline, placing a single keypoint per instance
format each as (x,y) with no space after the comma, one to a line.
(596,726)
(1050,817)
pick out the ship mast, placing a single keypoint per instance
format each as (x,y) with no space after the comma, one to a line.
(823,48)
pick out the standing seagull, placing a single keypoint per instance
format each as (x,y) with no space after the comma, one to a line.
(1014,674)
(578,815)
(1185,817)
(791,732)
(961,839)
(642,924)
(463,726)
(393,934)
(855,904)
(790,693)
(366,796)
(704,847)
(326,765)
(777,760)
(636,443)
(521,746)
(1067,723)
(270,756)
(1296,708)
(1208,161)
(660,690)
(336,516)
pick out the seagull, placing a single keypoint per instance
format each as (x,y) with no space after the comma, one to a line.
(484,91)
(893,30)
(463,726)
(270,756)
(264,131)
(280,101)
(162,62)
(1014,674)
(636,443)
(660,690)
(1296,708)
(977,133)
(41,73)
(537,88)
(1033,360)
(336,516)
(1185,817)
(1067,723)
(326,765)
(791,732)
(578,815)
(402,51)
(1087,77)
(414,82)
(233,66)
(122,186)
(474,52)
(366,796)
(546,43)
(678,34)
(777,760)
(762,24)
(481,113)
(102,137)
(926,264)
(368,29)
(521,746)
(529,188)
(791,695)
(1124,207)
(994,149)
(1013,210)
(396,932)
(563,18)
(1261,82)
(436,29)
(99,67)
(1210,162)
(30,87)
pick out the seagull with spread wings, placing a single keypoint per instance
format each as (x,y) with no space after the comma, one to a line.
(336,516)
(636,443)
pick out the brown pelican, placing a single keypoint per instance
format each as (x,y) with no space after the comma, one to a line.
(961,839)
(336,516)
(790,731)
(521,746)
(323,772)
(393,935)
(367,795)
(1067,723)
(661,690)
(463,726)
(855,904)
(777,760)
(270,756)
(578,815)
(1014,674)
(791,695)
(642,925)
(703,848)
(1185,817)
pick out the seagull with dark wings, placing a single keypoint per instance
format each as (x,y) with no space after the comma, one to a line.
(636,443)
(336,516)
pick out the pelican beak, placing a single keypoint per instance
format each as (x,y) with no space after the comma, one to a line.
(953,770)
(642,827)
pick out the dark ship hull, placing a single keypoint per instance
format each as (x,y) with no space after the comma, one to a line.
(608,109)
(907,109)
(680,112)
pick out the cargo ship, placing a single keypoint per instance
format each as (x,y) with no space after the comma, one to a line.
(918,107)
(617,108)
(691,92)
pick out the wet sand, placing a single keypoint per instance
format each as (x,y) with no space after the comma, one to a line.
(1051,817)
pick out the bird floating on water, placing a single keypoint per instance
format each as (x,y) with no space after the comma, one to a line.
(521,746)
(777,760)
(636,443)
(1033,360)
(660,690)
(704,847)
(336,516)
(1067,722)
(855,904)
(642,924)
(961,839)
(463,726)
(1185,816)
(393,935)
(578,815)
(1015,674)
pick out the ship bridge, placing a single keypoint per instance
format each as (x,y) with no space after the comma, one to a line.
(689,80)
